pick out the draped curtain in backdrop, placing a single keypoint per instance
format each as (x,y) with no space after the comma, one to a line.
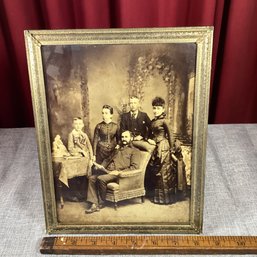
(234,73)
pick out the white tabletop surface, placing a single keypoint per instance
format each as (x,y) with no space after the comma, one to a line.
(230,206)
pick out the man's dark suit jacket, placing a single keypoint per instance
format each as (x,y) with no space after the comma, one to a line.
(125,158)
(139,126)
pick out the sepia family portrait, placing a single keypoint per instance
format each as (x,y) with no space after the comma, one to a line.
(121,130)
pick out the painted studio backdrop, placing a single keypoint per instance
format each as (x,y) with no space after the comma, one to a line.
(80,79)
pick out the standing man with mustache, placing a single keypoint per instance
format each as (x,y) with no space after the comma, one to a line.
(125,158)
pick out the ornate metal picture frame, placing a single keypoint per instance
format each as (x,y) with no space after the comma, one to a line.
(121,120)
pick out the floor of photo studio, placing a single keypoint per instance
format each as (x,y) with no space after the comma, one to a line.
(128,211)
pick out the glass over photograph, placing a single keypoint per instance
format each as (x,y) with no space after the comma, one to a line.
(120,120)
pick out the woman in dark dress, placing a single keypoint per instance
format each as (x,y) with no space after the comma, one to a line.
(105,136)
(162,173)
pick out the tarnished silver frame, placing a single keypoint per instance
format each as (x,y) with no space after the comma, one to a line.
(201,36)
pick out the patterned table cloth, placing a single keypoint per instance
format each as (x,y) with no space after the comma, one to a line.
(67,168)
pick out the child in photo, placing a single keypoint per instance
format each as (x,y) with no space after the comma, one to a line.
(78,141)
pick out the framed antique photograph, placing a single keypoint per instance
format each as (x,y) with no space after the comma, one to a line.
(121,120)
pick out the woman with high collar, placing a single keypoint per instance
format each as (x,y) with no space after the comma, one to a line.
(106,136)
(162,175)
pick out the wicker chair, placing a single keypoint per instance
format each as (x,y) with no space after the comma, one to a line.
(131,183)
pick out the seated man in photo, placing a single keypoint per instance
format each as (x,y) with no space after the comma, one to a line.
(125,158)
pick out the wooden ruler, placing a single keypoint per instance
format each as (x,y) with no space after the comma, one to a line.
(149,245)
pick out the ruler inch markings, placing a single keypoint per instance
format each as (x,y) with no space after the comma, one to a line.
(149,244)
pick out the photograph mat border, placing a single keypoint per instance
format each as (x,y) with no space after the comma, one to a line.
(202,36)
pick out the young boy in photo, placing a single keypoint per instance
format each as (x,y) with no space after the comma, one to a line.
(78,141)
